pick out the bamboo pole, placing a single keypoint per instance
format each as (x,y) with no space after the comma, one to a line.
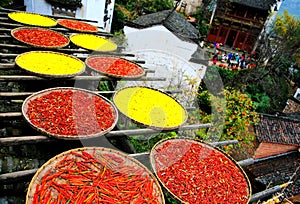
(10,115)
(9,141)
(77,78)
(64,50)
(17,176)
(7,65)
(268,192)
(13,95)
(22,175)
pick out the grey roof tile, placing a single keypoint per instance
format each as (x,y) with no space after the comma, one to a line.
(260,4)
(173,21)
(279,130)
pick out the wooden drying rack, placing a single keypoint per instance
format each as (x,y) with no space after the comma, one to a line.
(9,49)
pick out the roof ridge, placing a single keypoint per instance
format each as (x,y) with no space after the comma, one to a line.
(283,117)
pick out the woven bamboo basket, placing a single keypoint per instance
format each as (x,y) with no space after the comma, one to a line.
(17,16)
(45,37)
(206,150)
(100,58)
(123,107)
(93,42)
(64,136)
(42,66)
(93,29)
(61,167)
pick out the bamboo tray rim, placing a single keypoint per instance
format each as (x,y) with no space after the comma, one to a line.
(151,126)
(210,146)
(115,75)
(76,29)
(35,14)
(68,137)
(52,75)
(38,28)
(92,35)
(52,162)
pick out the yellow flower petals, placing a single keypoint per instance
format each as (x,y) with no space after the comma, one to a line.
(50,63)
(150,107)
(93,42)
(32,19)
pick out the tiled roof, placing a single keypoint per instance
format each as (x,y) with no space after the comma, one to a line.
(173,21)
(276,171)
(152,19)
(279,130)
(260,4)
(292,105)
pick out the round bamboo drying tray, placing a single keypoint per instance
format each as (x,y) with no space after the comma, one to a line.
(77,118)
(85,27)
(93,42)
(206,151)
(112,69)
(33,19)
(53,65)
(102,163)
(163,112)
(42,38)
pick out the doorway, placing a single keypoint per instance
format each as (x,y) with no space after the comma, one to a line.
(231,38)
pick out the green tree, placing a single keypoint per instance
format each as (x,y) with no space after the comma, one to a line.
(4,3)
(138,7)
(239,114)
(277,58)
(118,20)
(279,50)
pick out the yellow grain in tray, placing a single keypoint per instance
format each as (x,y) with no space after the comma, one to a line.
(50,63)
(32,19)
(93,42)
(150,107)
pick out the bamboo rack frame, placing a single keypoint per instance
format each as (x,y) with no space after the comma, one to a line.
(7,141)
(27,174)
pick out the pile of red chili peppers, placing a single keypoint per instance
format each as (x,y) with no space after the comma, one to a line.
(114,66)
(198,173)
(41,37)
(87,176)
(77,25)
(71,112)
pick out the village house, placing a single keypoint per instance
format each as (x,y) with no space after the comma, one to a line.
(276,156)
(238,24)
(99,13)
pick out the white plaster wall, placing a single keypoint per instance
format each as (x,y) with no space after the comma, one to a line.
(166,54)
(38,6)
(91,9)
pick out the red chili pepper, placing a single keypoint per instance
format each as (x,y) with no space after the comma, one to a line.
(77,25)
(198,173)
(114,66)
(71,113)
(40,37)
(98,185)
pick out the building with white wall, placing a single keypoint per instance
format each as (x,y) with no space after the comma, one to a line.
(90,9)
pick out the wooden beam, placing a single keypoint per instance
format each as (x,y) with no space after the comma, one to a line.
(10,141)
